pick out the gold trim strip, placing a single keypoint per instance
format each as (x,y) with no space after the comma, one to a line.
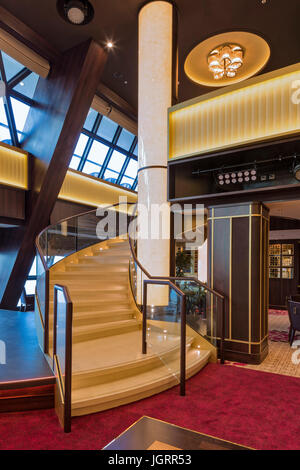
(240,341)
(212,273)
(237,216)
(187,429)
(250,279)
(230,281)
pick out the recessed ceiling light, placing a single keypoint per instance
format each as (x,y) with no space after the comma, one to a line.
(109,44)
(76,12)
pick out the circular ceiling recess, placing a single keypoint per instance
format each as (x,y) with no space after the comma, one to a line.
(255,54)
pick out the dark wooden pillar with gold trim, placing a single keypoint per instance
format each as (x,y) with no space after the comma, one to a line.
(238,238)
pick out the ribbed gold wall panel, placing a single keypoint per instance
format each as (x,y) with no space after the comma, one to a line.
(85,189)
(259,109)
(13,167)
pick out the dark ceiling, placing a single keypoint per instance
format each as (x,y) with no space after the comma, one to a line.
(277,21)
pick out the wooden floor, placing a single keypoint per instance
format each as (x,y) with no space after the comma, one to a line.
(152,434)
(24,358)
(280,357)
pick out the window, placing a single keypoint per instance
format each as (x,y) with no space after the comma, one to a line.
(107,151)
(281,261)
(20,85)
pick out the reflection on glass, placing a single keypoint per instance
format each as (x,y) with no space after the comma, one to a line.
(287,260)
(107,129)
(275,249)
(125,140)
(275,273)
(274,260)
(287,273)
(61,335)
(287,249)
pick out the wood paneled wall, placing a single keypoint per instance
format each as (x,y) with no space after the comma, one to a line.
(238,267)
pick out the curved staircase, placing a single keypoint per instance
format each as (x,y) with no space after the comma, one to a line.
(108,367)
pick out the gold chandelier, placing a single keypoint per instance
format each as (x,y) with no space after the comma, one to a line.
(225,60)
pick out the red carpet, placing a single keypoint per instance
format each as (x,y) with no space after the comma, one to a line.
(256,409)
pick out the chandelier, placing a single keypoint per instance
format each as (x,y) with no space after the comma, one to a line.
(225,60)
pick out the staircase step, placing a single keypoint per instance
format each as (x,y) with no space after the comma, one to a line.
(103,370)
(126,390)
(99,316)
(100,330)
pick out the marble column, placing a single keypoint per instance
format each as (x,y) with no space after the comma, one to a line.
(155,96)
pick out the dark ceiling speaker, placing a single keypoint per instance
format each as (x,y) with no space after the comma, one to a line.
(76,12)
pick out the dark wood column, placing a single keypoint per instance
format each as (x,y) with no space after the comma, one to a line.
(53,127)
(238,237)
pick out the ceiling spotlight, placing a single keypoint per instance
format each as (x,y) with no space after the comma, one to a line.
(76,12)
(109,44)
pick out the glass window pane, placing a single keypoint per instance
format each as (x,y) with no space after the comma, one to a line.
(132,169)
(11,66)
(110,174)
(275,273)
(81,144)
(125,140)
(135,152)
(287,261)
(32,271)
(287,249)
(30,287)
(116,161)
(107,128)
(74,162)
(275,260)
(98,152)
(90,168)
(3,118)
(28,85)
(275,249)
(20,111)
(5,135)
(90,119)
(287,273)
(126,180)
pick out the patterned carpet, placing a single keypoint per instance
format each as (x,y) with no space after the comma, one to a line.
(279,360)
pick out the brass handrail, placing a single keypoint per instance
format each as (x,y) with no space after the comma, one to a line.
(174,278)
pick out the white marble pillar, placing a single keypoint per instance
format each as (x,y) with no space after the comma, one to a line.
(155,95)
